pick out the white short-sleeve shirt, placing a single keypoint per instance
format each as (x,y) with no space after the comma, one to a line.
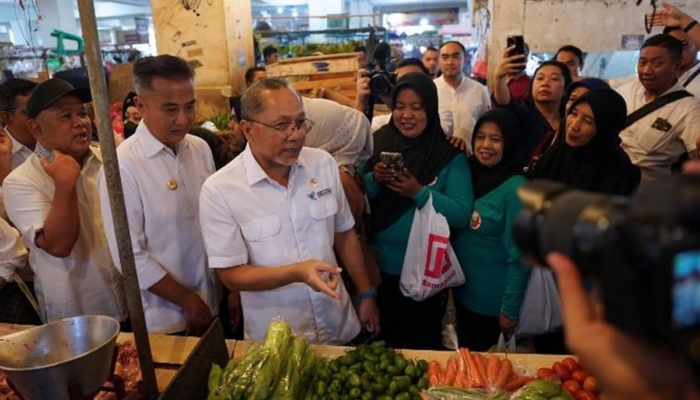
(161,193)
(86,282)
(694,85)
(20,153)
(656,142)
(12,254)
(460,108)
(248,218)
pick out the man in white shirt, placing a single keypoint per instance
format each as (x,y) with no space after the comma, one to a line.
(271,221)
(162,170)
(660,139)
(690,65)
(54,203)
(461,99)
(16,143)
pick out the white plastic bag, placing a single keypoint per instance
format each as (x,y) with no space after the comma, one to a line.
(541,310)
(430,264)
(505,346)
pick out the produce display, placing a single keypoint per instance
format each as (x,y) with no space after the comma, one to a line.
(283,367)
(573,378)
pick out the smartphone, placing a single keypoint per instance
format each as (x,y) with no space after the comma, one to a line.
(519,42)
(43,152)
(392,160)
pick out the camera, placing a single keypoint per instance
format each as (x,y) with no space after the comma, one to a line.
(643,252)
(382,76)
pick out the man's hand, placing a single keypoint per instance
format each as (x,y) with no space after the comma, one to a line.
(197,315)
(235,311)
(458,143)
(510,65)
(311,272)
(405,184)
(362,85)
(507,325)
(369,316)
(63,170)
(383,174)
(671,16)
(5,144)
(626,367)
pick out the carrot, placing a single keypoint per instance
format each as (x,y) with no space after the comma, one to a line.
(492,369)
(516,383)
(434,373)
(451,372)
(504,373)
(482,367)
(464,363)
(478,380)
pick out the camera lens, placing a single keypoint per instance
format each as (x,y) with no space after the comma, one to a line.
(380,84)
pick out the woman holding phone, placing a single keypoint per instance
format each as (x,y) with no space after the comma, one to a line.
(428,165)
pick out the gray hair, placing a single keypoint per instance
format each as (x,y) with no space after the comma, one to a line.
(163,66)
(252,102)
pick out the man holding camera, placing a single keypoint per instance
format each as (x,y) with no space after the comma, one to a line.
(461,99)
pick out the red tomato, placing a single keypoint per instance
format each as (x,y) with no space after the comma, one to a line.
(585,395)
(580,375)
(571,364)
(591,384)
(561,370)
(545,373)
(572,386)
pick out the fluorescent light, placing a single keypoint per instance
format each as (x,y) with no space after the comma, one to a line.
(408,47)
(295,13)
(424,21)
(280,10)
(423,49)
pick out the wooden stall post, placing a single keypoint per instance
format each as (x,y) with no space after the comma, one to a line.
(98,88)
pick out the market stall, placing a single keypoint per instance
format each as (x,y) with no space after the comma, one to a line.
(188,360)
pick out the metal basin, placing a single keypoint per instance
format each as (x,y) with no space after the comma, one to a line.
(43,362)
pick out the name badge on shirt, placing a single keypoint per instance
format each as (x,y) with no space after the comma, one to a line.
(320,194)
(662,125)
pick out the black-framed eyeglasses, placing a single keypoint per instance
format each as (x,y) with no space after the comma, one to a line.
(286,129)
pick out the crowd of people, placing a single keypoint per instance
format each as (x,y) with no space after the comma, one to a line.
(297,214)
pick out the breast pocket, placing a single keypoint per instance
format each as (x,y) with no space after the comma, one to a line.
(646,138)
(265,244)
(322,224)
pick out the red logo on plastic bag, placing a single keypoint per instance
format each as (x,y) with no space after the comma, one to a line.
(438,261)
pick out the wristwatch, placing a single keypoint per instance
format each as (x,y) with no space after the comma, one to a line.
(690,26)
(372,292)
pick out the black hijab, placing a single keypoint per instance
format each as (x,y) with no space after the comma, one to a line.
(424,156)
(484,178)
(600,165)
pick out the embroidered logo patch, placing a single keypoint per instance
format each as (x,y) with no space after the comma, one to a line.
(476,221)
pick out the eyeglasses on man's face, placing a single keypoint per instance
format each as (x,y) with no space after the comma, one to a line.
(285,129)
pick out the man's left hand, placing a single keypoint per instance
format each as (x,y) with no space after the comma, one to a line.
(369,316)
(405,184)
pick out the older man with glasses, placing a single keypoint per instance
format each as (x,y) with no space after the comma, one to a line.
(272,219)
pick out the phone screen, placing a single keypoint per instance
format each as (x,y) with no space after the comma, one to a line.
(686,289)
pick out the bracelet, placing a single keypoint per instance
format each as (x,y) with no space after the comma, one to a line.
(690,26)
(372,292)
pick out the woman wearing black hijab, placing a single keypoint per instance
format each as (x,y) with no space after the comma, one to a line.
(431,166)
(489,301)
(589,158)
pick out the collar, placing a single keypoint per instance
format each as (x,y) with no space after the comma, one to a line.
(153,146)
(16,145)
(255,173)
(461,83)
(641,90)
(95,154)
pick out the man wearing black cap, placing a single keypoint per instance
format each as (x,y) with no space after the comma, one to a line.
(52,198)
